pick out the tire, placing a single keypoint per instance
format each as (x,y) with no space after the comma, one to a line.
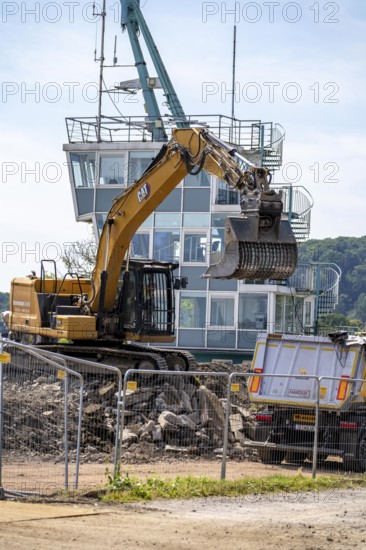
(271,456)
(357,464)
(267,455)
(296,458)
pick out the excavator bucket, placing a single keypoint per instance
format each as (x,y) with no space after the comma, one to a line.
(255,251)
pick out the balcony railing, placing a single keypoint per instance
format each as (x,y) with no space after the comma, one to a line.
(251,135)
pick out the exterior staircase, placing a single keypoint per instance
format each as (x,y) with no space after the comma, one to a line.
(297,205)
(320,280)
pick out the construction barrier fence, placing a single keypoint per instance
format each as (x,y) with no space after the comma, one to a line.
(69,424)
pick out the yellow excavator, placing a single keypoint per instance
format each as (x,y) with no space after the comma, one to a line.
(128,301)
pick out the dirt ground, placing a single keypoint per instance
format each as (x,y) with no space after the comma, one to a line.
(46,478)
(308,521)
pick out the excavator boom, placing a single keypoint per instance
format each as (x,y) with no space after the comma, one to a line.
(258,243)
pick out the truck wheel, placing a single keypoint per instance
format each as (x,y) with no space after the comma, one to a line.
(357,464)
(267,455)
(362,452)
(271,456)
(296,458)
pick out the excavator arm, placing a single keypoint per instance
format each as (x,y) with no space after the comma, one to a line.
(258,243)
(133,300)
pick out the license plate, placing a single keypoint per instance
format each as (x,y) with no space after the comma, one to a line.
(302,418)
(304,427)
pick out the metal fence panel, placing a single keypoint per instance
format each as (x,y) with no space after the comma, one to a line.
(274,434)
(173,422)
(100,431)
(41,418)
(343,434)
(67,423)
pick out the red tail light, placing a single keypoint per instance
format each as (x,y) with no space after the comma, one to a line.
(348,425)
(263,417)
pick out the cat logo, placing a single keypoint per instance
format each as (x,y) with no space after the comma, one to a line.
(303,371)
(144,192)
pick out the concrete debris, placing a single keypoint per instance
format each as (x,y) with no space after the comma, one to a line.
(180,414)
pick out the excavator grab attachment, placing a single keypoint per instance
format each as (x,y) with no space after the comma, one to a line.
(245,257)
(258,244)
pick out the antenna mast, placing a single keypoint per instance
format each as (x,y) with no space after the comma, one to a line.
(101,68)
(233,81)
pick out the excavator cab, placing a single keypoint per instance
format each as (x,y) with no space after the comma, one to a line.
(146,300)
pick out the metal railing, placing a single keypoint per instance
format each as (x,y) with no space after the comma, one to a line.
(251,135)
(297,204)
(321,280)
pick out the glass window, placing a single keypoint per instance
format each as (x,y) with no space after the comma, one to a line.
(112,170)
(166,245)
(194,247)
(218,234)
(196,220)
(200,180)
(167,220)
(192,310)
(140,245)
(171,203)
(196,200)
(222,311)
(253,311)
(218,220)
(308,313)
(217,242)
(100,219)
(225,194)
(219,337)
(83,169)
(137,163)
(289,314)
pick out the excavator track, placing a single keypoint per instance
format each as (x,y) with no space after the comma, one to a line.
(176,359)
(130,356)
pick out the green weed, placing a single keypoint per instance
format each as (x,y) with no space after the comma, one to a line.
(123,488)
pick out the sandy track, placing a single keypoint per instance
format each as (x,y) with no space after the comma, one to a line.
(308,521)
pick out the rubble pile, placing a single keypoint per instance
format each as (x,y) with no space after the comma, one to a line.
(165,415)
(34,417)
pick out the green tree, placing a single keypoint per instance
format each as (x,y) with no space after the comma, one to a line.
(349,253)
(4,301)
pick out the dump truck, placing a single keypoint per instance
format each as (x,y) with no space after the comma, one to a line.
(291,374)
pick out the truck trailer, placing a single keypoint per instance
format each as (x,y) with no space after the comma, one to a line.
(307,384)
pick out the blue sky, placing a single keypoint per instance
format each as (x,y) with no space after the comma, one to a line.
(315,50)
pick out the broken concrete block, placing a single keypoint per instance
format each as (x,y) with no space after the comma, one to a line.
(211,409)
(169,421)
(157,433)
(236,422)
(128,437)
(137,396)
